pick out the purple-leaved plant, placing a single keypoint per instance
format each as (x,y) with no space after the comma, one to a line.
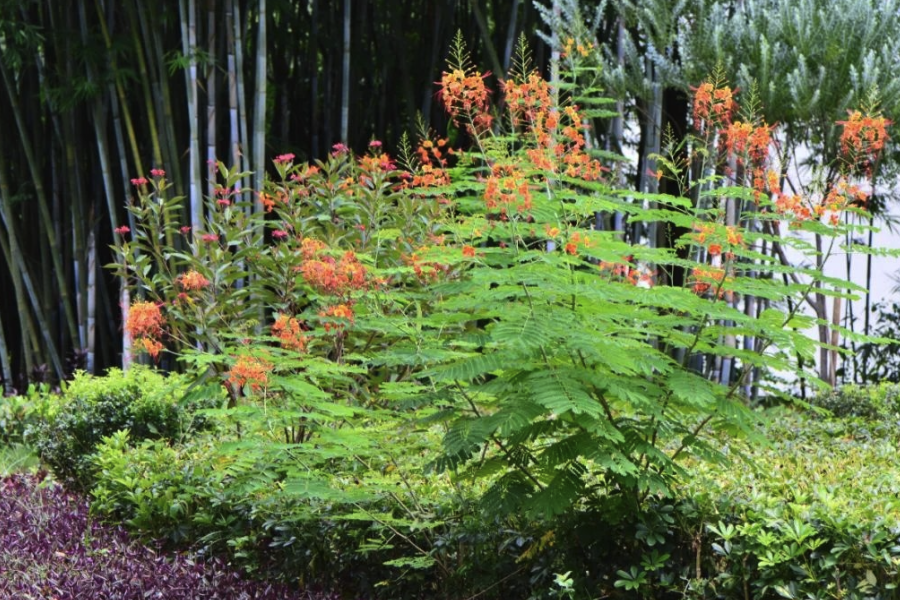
(50,548)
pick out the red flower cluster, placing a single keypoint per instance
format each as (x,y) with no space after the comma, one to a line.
(283,158)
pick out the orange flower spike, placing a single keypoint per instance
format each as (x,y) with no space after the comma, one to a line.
(736,136)
(468,251)
(723,104)
(712,104)
(772,180)
(702,102)
(715,249)
(759,142)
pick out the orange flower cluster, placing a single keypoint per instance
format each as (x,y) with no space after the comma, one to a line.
(559,134)
(627,272)
(250,370)
(377,163)
(151,347)
(341,312)
(713,106)
(571,246)
(530,99)
(863,138)
(144,326)
(465,94)
(709,232)
(267,201)
(339,277)
(705,278)
(426,271)
(582,49)
(192,281)
(744,139)
(734,236)
(289,331)
(310,248)
(507,187)
(839,197)
(433,161)
(704,230)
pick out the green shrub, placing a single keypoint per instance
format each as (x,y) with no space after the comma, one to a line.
(871,402)
(812,514)
(20,416)
(147,404)
(155,488)
(368,533)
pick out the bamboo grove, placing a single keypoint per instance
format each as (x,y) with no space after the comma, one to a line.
(97,94)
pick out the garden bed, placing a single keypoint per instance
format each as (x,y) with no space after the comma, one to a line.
(51,548)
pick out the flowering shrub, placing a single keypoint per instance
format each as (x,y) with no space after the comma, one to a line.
(581,377)
(567,366)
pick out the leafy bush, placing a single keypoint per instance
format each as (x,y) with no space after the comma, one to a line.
(21,416)
(789,523)
(879,401)
(139,400)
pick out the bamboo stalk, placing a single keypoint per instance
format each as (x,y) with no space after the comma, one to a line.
(345,77)
(485,32)
(259,107)
(239,80)
(10,247)
(13,250)
(43,205)
(211,96)
(189,48)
